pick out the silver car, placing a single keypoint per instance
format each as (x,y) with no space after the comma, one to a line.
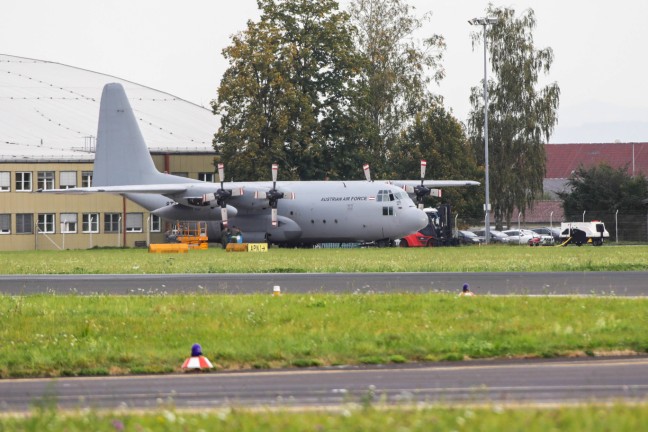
(521,236)
(495,236)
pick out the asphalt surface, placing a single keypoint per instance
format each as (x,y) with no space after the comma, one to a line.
(543,283)
(521,381)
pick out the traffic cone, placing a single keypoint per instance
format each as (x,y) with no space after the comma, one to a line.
(465,292)
(197,359)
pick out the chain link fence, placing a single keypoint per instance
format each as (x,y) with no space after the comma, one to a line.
(627,227)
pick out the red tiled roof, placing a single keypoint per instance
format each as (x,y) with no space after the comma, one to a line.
(543,212)
(562,159)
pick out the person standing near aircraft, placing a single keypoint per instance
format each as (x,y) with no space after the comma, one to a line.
(226,235)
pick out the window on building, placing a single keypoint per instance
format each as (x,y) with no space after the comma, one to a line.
(86,179)
(111,222)
(24,181)
(5,181)
(5,223)
(90,223)
(46,223)
(24,223)
(206,177)
(68,179)
(68,222)
(45,180)
(156,224)
(134,222)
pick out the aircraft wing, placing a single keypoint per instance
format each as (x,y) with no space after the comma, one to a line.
(434,183)
(162,189)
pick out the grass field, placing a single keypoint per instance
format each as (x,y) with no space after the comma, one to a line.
(494,258)
(49,335)
(591,418)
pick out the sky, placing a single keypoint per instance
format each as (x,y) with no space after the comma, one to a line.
(600,55)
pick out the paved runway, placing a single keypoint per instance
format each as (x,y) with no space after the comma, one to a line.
(543,283)
(521,381)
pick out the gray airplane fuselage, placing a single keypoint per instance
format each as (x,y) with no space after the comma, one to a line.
(322,211)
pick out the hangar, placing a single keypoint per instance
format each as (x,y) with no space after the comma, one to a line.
(47,140)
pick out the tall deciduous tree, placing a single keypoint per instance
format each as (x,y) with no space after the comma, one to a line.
(521,115)
(604,189)
(438,137)
(285,96)
(397,69)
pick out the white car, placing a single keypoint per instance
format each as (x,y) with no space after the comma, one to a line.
(521,236)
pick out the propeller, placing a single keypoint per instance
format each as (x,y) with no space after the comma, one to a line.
(222,195)
(421,190)
(367,172)
(274,195)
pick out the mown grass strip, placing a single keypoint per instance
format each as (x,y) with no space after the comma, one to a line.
(46,335)
(591,418)
(495,258)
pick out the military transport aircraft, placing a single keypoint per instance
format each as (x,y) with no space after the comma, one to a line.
(287,212)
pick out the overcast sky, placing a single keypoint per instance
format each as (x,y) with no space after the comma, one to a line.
(600,62)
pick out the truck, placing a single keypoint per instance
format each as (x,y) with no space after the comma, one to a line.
(579,233)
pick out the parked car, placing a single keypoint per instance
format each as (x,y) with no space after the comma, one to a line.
(522,236)
(495,236)
(468,237)
(543,240)
(553,232)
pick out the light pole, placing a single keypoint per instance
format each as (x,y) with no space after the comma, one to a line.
(485,22)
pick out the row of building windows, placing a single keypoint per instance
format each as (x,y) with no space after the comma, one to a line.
(23,180)
(46,223)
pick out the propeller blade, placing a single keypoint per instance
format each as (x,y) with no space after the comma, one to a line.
(435,193)
(420,205)
(423,167)
(275,169)
(221,173)
(367,172)
(289,195)
(237,192)
(274,217)
(208,197)
(224,215)
(409,189)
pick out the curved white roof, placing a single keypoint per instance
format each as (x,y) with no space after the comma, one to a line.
(50,112)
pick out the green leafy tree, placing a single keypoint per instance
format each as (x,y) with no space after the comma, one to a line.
(440,139)
(397,69)
(285,96)
(604,189)
(521,116)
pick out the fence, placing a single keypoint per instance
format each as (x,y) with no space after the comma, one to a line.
(622,226)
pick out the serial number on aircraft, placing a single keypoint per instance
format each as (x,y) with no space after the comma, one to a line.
(346,198)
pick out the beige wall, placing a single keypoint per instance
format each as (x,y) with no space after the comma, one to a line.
(14,202)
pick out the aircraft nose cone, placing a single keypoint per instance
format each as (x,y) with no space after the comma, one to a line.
(419,218)
(413,220)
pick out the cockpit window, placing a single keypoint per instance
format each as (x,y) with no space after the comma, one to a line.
(388,195)
(383,195)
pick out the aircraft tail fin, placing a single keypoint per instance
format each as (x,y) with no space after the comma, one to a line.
(122,157)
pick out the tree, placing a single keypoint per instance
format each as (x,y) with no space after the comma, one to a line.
(286,95)
(521,115)
(395,77)
(439,138)
(604,189)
